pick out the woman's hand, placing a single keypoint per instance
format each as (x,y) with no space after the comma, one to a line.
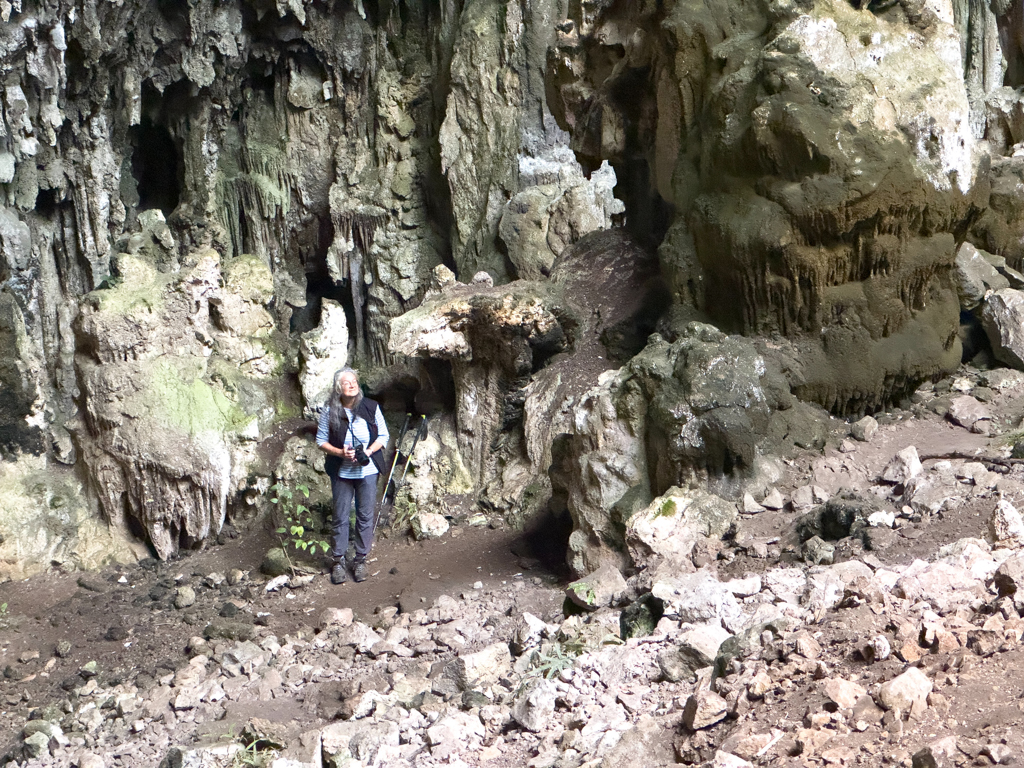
(348,454)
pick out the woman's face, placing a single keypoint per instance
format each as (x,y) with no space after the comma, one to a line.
(349,385)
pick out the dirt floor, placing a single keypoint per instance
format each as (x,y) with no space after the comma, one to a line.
(124,619)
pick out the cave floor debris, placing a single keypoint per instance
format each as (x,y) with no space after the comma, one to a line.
(805,698)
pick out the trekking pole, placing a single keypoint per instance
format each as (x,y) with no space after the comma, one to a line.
(420,434)
(394,461)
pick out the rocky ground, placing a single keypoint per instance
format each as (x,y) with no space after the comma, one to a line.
(861,610)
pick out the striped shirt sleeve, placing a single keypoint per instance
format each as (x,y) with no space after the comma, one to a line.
(323,430)
(382,429)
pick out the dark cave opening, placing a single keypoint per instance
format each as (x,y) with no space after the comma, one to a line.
(46,203)
(156,166)
(546,538)
(648,214)
(319,286)
(436,393)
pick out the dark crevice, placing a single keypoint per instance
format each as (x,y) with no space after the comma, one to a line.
(157,158)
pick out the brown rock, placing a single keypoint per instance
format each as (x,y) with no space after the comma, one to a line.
(945,641)
(810,741)
(843,692)
(939,703)
(703,709)
(806,645)
(867,711)
(938,754)
(910,651)
(759,685)
(908,692)
(984,642)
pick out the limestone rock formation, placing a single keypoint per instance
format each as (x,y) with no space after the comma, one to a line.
(208,207)
(808,182)
(164,374)
(307,135)
(324,350)
(699,410)
(491,335)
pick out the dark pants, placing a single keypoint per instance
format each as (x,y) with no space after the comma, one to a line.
(365,492)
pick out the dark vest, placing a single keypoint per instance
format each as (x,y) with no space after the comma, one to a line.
(366,410)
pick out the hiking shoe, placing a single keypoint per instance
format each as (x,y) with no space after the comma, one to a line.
(338,574)
(360,571)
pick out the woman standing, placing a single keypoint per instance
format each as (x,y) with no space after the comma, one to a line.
(352,433)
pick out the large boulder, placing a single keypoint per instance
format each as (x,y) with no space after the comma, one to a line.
(1002,317)
(669,528)
(45,520)
(697,410)
(781,180)
(169,405)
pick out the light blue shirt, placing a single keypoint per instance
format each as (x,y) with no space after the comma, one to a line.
(351,470)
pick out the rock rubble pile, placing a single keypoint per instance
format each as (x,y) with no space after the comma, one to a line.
(667,667)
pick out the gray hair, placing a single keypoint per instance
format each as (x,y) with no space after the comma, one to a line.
(341,372)
(337,419)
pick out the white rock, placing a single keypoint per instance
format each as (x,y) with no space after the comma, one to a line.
(359,636)
(903,466)
(598,589)
(864,429)
(843,692)
(669,526)
(907,693)
(750,506)
(748,586)
(974,276)
(276,583)
(534,707)
(787,584)
(703,709)
(1003,378)
(962,384)
(89,760)
(939,754)
(429,525)
(729,760)
(335,617)
(344,743)
(883,518)
(484,667)
(1006,525)
(967,412)
(774,500)
(455,726)
(878,648)
(803,497)
(699,646)
(1002,316)
(695,597)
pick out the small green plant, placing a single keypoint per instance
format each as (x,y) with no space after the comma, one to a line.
(551,659)
(554,660)
(299,529)
(585,592)
(548,663)
(252,757)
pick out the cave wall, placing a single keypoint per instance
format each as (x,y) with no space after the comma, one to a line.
(193,195)
(205,206)
(820,162)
